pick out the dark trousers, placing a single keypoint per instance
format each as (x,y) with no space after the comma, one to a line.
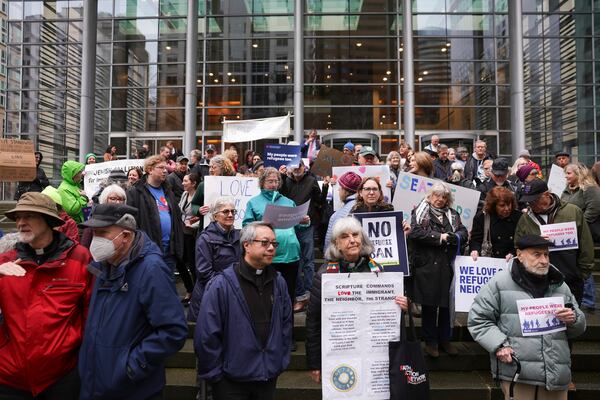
(289,272)
(227,389)
(435,324)
(66,388)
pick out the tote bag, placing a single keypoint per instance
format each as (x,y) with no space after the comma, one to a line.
(409,379)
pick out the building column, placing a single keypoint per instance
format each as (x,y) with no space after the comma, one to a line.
(517,96)
(409,74)
(88,79)
(298,71)
(191,75)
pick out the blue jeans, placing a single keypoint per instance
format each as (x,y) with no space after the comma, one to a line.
(307,260)
(589,293)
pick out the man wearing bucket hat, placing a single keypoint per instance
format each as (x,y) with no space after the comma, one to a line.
(45,289)
(543,352)
(123,356)
(544,207)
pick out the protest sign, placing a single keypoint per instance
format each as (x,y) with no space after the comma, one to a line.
(96,173)
(470,276)
(563,235)
(277,155)
(411,189)
(283,217)
(384,229)
(557,182)
(537,316)
(17,160)
(359,317)
(328,158)
(382,172)
(241,188)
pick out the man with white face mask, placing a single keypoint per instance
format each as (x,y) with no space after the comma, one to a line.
(45,290)
(136,319)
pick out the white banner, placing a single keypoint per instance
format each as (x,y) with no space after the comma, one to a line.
(563,235)
(96,173)
(411,189)
(538,316)
(379,171)
(470,276)
(241,188)
(359,317)
(557,182)
(256,129)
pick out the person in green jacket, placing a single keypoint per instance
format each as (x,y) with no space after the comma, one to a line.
(73,197)
(287,256)
(544,207)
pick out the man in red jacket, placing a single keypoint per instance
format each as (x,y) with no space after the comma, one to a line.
(45,290)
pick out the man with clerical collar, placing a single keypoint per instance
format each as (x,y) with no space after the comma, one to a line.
(496,324)
(243,336)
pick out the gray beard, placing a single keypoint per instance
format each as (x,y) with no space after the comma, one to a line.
(26,237)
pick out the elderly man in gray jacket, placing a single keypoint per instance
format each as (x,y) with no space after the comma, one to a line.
(494,323)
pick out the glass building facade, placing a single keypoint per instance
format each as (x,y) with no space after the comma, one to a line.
(352,72)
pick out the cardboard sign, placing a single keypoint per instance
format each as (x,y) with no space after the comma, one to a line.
(470,276)
(329,158)
(563,235)
(277,155)
(382,172)
(411,189)
(384,229)
(98,172)
(241,188)
(283,217)
(557,182)
(359,318)
(17,161)
(537,316)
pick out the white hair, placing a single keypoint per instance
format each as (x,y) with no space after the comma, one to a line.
(112,189)
(219,204)
(343,225)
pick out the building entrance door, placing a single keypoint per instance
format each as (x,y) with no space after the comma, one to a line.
(338,140)
(457,139)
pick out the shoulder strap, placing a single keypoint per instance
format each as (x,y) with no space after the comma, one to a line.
(486,228)
(411,323)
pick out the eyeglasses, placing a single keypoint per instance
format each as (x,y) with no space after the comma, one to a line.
(272,181)
(370,189)
(160,167)
(115,199)
(227,212)
(534,172)
(265,243)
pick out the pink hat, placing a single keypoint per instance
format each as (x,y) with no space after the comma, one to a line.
(350,181)
(524,171)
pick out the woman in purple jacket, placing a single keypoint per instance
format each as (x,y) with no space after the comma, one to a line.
(217,247)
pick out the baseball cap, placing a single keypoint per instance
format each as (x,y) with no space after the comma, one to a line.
(562,153)
(181,158)
(349,145)
(112,214)
(533,190)
(367,150)
(210,147)
(500,166)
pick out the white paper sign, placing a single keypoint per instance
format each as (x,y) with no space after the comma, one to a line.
(563,235)
(255,129)
(470,276)
(359,317)
(283,217)
(537,316)
(241,188)
(380,171)
(411,189)
(96,173)
(557,182)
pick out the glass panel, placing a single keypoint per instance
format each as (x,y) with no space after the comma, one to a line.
(433,6)
(359,25)
(15,10)
(471,6)
(470,25)
(380,95)
(350,72)
(214,116)
(236,96)
(132,29)
(248,73)
(355,48)
(105,8)
(172,28)
(243,50)
(15,30)
(173,7)
(135,52)
(139,8)
(429,25)
(171,51)
(47,31)
(244,26)
(352,117)
(463,118)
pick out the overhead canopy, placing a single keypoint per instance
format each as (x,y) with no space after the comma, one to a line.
(255,129)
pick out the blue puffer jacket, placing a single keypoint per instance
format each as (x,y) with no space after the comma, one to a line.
(225,339)
(215,251)
(135,322)
(289,247)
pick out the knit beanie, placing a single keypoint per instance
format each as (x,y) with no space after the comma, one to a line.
(349,146)
(350,181)
(523,172)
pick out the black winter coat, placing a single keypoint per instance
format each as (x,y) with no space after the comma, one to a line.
(471,167)
(175,180)
(149,220)
(502,233)
(431,260)
(303,190)
(37,185)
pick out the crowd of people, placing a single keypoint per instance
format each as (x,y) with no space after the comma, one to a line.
(90,309)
